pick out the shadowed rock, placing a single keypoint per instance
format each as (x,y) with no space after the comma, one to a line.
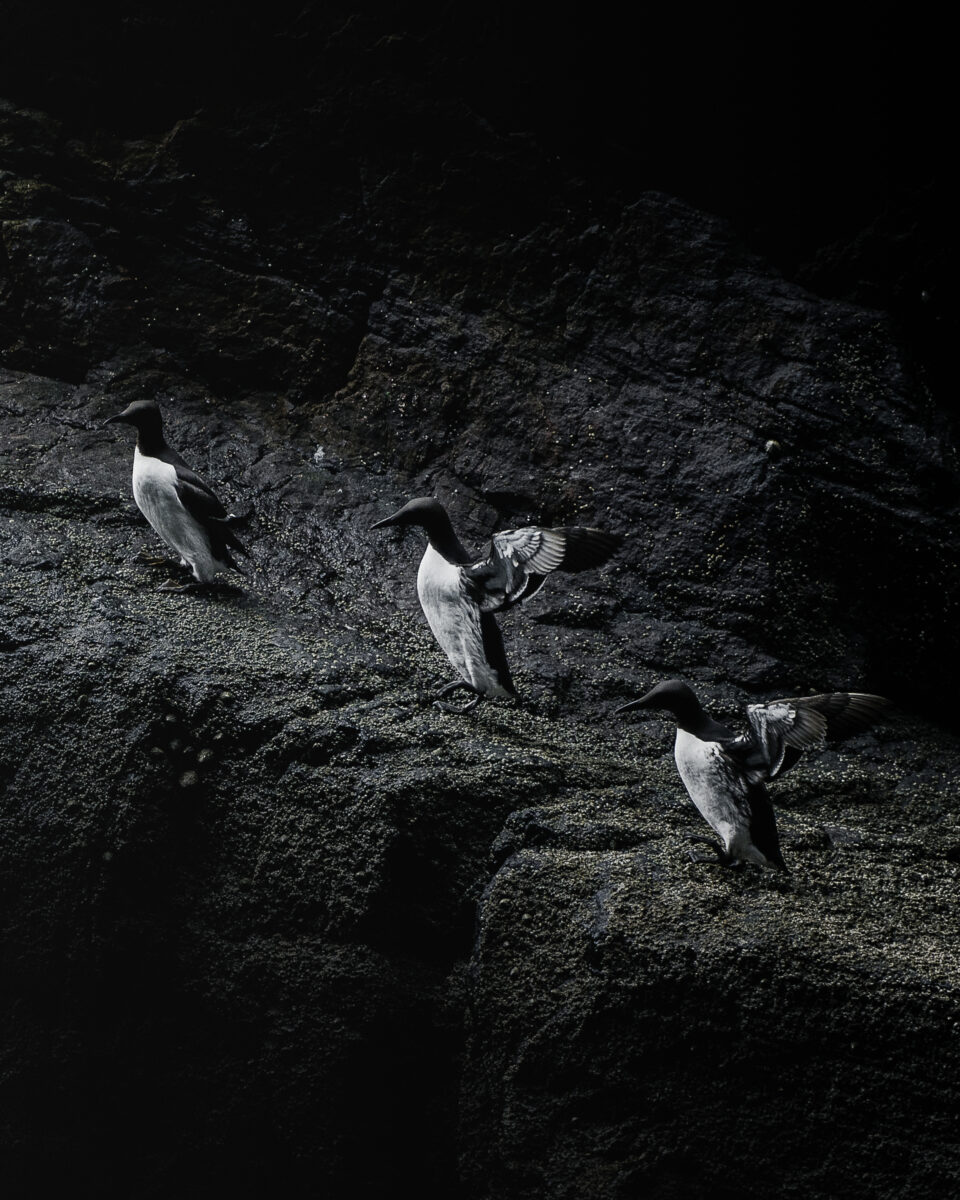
(270,921)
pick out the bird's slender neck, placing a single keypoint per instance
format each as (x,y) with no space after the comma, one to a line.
(441,536)
(702,725)
(151,441)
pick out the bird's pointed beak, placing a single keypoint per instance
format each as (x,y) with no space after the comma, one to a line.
(110,420)
(643,702)
(388,521)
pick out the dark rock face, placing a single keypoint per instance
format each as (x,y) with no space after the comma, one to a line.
(272,923)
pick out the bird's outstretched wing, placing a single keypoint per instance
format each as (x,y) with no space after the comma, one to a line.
(781,729)
(520,560)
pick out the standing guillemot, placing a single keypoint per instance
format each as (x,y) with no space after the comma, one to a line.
(460,593)
(724,773)
(176,501)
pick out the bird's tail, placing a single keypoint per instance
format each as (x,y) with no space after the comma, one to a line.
(224,540)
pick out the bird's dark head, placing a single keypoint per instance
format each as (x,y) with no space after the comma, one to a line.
(675,697)
(425,511)
(143,414)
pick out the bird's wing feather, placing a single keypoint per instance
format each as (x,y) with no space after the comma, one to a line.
(196,496)
(754,758)
(568,548)
(520,559)
(781,729)
(202,504)
(844,712)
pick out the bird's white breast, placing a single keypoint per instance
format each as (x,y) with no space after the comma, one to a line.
(155,491)
(709,785)
(455,621)
(154,486)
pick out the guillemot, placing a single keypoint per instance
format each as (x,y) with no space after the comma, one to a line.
(180,507)
(724,773)
(459,593)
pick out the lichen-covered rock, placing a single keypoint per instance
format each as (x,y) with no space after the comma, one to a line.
(642,1025)
(270,921)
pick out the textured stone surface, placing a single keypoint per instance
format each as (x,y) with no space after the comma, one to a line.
(272,923)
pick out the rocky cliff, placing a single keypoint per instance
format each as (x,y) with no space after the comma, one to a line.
(272,923)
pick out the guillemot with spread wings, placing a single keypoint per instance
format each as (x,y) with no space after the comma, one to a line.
(724,773)
(460,593)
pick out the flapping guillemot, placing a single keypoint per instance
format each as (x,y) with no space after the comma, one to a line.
(724,773)
(178,504)
(459,593)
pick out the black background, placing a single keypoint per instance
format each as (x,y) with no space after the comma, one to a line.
(818,132)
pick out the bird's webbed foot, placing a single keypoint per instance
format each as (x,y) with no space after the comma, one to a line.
(719,858)
(452,687)
(183,587)
(152,559)
(455,709)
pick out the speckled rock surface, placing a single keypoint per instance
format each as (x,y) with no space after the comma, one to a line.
(270,923)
